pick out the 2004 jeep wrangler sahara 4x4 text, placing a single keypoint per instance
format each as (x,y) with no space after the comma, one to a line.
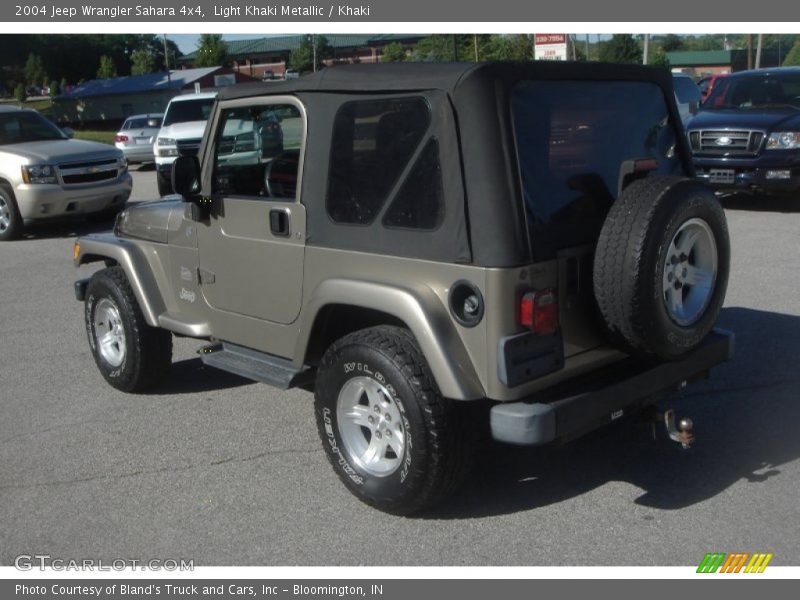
(420,237)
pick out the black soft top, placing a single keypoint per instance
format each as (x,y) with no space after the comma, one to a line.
(448,77)
(485,220)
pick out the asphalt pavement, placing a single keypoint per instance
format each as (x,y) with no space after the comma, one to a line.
(224,471)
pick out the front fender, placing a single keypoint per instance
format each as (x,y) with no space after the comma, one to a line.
(424,315)
(132,259)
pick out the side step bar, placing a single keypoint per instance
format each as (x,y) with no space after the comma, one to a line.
(255,365)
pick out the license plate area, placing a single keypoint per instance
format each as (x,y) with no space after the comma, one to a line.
(143,140)
(721,175)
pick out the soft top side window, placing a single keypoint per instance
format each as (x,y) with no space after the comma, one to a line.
(373,142)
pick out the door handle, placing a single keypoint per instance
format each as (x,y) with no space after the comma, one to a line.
(279,222)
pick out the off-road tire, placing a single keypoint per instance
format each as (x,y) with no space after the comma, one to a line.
(12,226)
(164,184)
(147,350)
(630,260)
(437,454)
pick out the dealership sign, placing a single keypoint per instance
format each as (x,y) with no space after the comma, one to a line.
(550,46)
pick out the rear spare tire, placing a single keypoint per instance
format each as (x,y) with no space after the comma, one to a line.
(661,266)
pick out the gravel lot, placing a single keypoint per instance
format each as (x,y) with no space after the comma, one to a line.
(228,472)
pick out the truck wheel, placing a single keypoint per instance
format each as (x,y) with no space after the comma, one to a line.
(10,220)
(390,436)
(164,185)
(661,266)
(131,355)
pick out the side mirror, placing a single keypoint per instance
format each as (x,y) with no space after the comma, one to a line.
(69,132)
(186,176)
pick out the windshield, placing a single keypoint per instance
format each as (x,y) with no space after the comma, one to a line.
(767,90)
(27,126)
(686,90)
(188,110)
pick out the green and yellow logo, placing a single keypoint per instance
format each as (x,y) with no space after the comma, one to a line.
(737,562)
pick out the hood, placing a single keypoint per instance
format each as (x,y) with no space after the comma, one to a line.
(149,220)
(766,119)
(62,151)
(182,131)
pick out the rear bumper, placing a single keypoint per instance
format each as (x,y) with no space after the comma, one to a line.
(572,410)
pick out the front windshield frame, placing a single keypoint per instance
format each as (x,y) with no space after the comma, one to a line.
(30,127)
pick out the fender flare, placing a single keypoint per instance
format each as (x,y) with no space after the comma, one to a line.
(136,266)
(424,315)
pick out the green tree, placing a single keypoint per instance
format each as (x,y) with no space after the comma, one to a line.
(107,68)
(793,58)
(508,47)
(34,70)
(19,93)
(302,57)
(659,58)
(143,61)
(621,48)
(54,89)
(211,51)
(394,52)
(444,48)
(62,86)
(672,43)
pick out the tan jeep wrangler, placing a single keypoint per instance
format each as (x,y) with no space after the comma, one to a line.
(412,238)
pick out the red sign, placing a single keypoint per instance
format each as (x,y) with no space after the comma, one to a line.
(550,38)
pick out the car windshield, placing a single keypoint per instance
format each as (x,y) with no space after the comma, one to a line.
(768,90)
(686,90)
(27,126)
(188,110)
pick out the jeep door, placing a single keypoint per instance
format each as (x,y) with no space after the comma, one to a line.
(251,247)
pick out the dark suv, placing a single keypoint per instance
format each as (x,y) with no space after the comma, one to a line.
(746,136)
(437,250)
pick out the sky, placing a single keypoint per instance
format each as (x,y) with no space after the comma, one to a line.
(187,42)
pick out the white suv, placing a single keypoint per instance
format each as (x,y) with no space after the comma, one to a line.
(184,123)
(44,174)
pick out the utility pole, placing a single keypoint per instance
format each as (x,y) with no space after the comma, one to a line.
(314,50)
(166,61)
(475,44)
(758,50)
(587,48)
(646,48)
(749,51)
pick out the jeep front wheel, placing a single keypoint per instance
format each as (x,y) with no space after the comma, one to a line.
(131,355)
(390,436)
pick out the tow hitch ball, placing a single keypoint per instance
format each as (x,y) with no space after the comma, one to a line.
(683,433)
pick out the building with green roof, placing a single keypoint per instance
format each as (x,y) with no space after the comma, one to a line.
(267,57)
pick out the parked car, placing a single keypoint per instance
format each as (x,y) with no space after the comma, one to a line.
(431,236)
(746,136)
(687,95)
(180,134)
(46,175)
(707,83)
(137,135)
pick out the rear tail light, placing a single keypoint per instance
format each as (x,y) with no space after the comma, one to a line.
(120,138)
(539,311)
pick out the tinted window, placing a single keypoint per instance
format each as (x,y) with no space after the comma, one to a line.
(572,137)
(420,202)
(257,151)
(373,141)
(756,91)
(142,123)
(25,126)
(686,90)
(188,110)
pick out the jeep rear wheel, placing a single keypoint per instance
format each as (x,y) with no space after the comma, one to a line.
(661,266)
(390,436)
(131,355)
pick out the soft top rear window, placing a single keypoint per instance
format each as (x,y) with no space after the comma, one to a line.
(572,137)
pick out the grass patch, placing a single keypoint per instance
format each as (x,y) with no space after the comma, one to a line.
(106,137)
